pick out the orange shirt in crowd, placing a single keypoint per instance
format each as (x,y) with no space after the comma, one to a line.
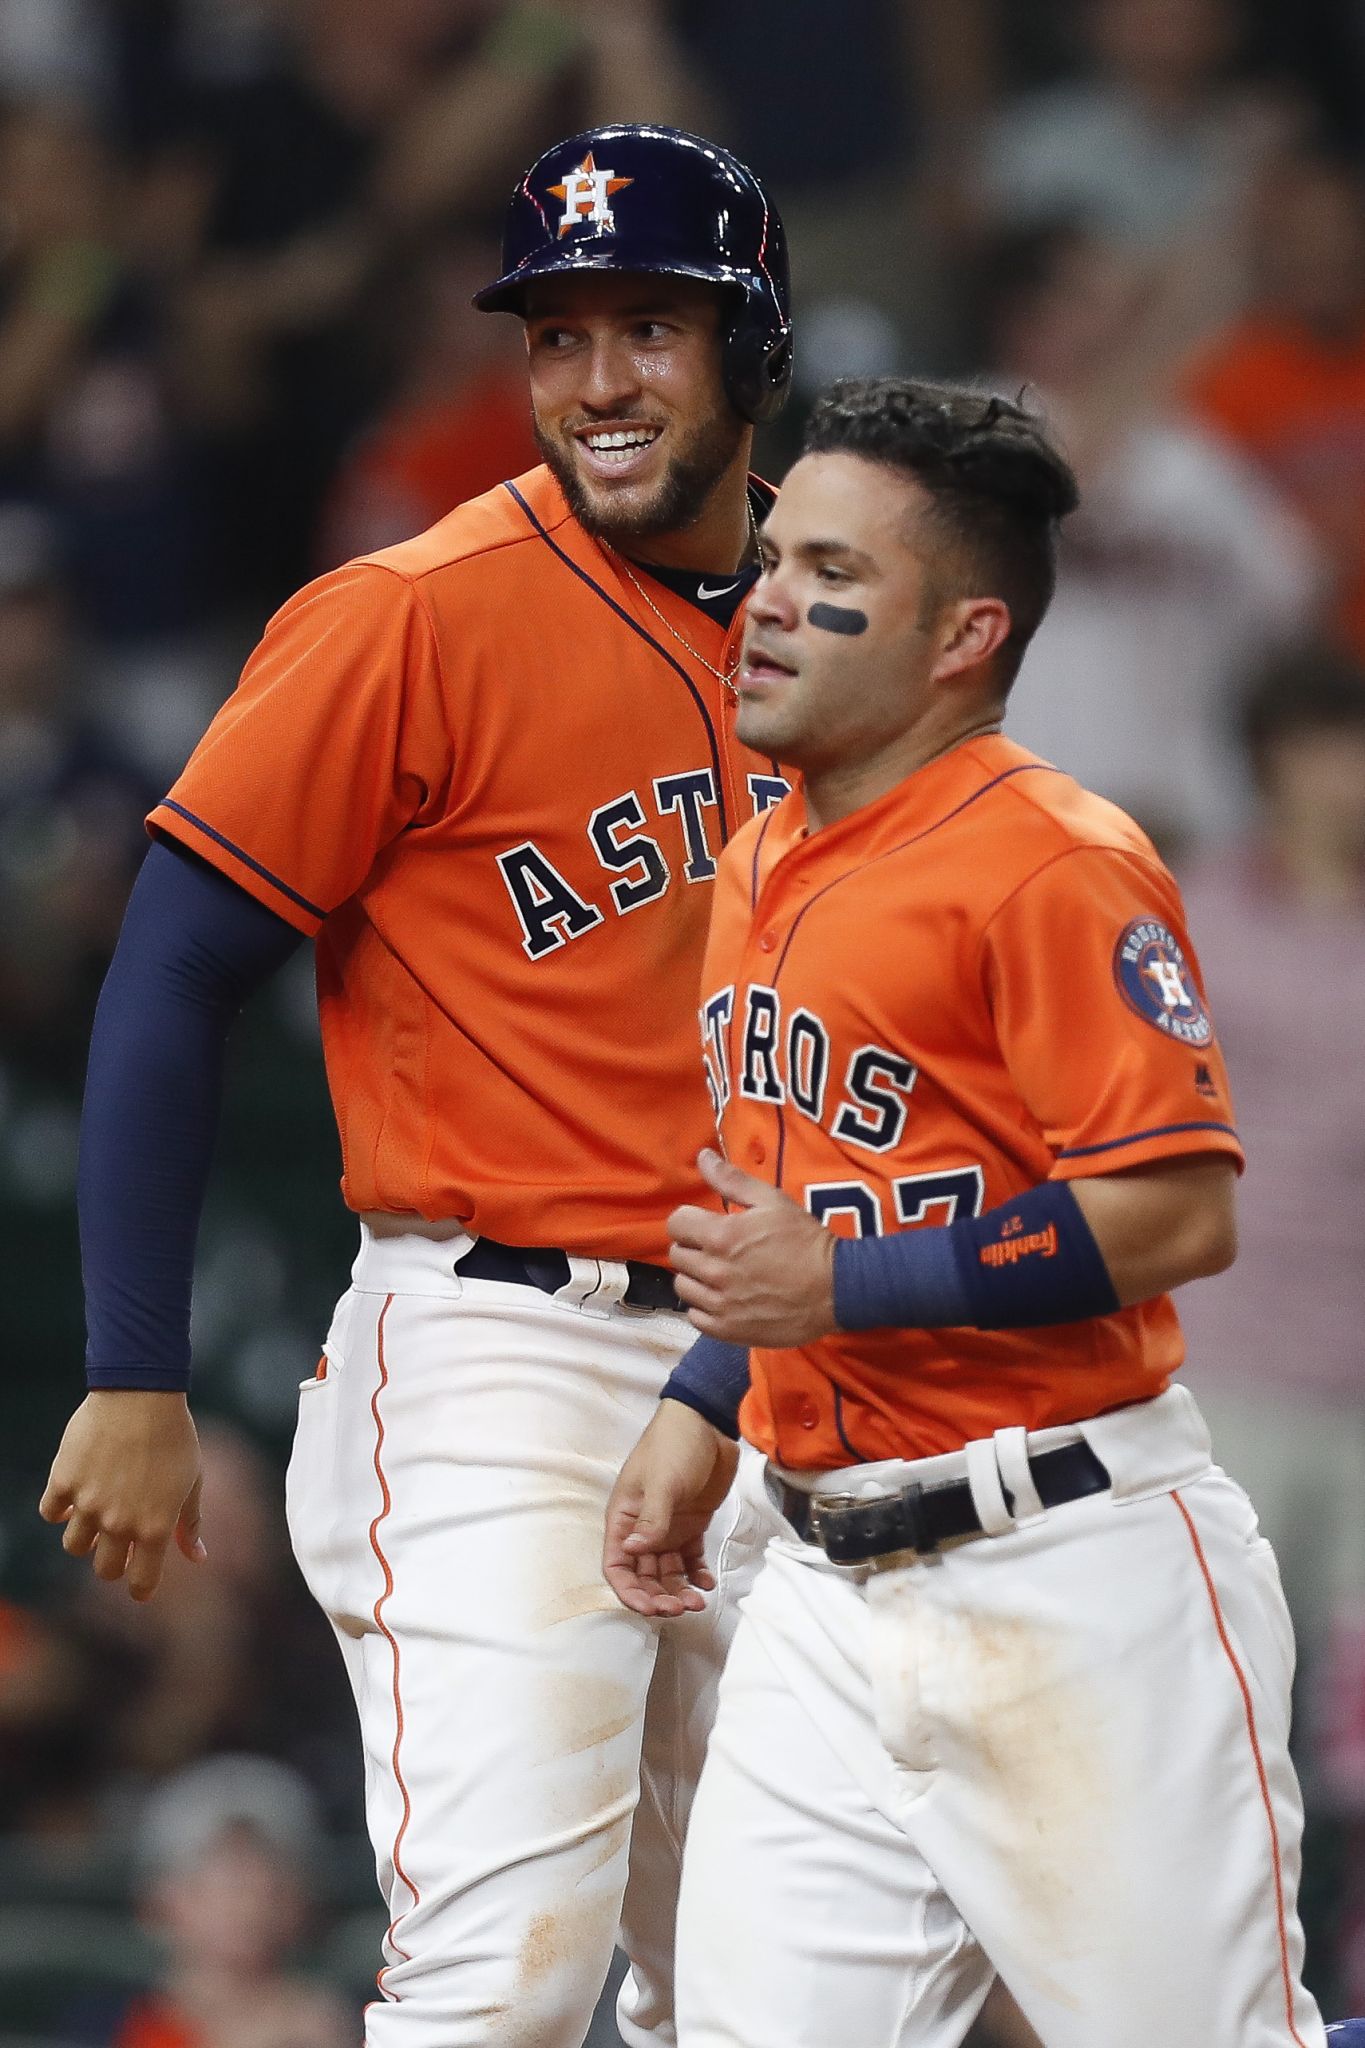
(494,784)
(1295,404)
(974,984)
(420,459)
(150,2024)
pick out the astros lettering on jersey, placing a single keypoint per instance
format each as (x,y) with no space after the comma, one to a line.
(505,861)
(1036,1012)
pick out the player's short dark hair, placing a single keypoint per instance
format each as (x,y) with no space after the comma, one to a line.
(1310,687)
(999,487)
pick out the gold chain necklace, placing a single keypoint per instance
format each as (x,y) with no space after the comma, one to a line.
(724,676)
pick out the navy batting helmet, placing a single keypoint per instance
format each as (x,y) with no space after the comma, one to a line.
(654,199)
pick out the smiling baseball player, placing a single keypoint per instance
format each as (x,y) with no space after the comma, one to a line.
(1012,1693)
(490,771)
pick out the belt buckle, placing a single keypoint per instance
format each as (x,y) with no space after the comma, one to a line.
(857,1531)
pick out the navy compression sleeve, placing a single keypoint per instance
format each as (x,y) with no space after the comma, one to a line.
(713,1378)
(193,947)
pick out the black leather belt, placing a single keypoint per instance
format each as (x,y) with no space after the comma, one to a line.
(543,1267)
(921,1518)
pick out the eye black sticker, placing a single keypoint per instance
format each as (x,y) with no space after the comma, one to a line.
(837,618)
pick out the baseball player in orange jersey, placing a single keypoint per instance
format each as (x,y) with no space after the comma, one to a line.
(1011,1693)
(489,771)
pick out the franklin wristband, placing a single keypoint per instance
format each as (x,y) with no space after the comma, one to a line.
(713,1379)
(1028,1263)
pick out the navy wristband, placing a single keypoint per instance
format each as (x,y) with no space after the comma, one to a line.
(1030,1262)
(712,1378)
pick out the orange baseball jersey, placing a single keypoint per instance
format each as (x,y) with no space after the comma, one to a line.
(980,981)
(493,784)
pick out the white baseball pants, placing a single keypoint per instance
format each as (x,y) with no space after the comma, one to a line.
(1058,1752)
(446,1498)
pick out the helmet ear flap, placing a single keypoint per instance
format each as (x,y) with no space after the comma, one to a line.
(757,363)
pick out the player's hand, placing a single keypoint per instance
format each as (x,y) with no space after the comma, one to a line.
(125,1481)
(669,1488)
(761,1276)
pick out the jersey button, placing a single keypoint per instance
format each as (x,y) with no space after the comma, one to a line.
(767,942)
(758,1153)
(809,1415)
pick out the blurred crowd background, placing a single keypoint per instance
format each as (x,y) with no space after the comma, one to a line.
(237,244)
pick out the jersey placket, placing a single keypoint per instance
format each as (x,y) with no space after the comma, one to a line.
(805,1399)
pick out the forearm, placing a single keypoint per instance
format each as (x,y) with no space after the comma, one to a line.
(1158,1228)
(1058,1253)
(193,946)
(147,1132)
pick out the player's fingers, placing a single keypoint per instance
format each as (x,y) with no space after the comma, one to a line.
(734,1185)
(697,1570)
(710,1322)
(187,1527)
(640,1591)
(617,1561)
(696,1294)
(631,1595)
(81,1532)
(668,1606)
(687,1600)
(145,1567)
(56,1504)
(675,1583)
(110,1559)
(654,1525)
(672,1575)
(623,1512)
(703,1268)
(667,1596)
(701,1229)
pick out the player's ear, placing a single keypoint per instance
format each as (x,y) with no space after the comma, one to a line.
(971,630)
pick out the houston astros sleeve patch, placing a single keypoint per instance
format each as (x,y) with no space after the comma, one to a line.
(1156,982)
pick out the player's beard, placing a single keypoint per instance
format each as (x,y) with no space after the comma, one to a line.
(676,501)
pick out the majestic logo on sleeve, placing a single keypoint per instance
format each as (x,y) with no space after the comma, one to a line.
(587,194)
(1155,980)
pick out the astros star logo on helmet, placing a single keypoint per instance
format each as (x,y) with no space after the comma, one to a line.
(586,193)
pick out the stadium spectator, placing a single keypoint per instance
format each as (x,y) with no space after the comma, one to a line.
(1180,563)
(71,808)
(55,1758)
(539,68)
(228,1852)
(864,123)
(1286,384)
(1276,1353)
(458,422)
(1275,1345)
(88,424)
(1157,130)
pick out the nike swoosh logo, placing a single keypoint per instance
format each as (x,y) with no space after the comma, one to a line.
(721,590)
